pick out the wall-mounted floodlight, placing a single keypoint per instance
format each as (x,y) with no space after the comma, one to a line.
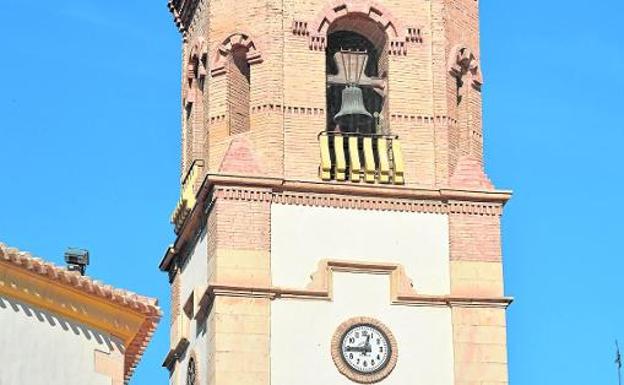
(77,260)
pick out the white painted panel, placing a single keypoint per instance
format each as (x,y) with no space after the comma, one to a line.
(195,271)
(38,347)
(194,276)
(303,235)
(301,333)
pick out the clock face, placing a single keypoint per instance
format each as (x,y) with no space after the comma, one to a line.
(365,348)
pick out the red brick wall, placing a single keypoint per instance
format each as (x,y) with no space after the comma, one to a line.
(286,107)
(475,237)
(238,74)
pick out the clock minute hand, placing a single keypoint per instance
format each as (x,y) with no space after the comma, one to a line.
(367,345)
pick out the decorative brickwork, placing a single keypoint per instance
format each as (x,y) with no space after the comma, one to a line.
(286,91)
(479,209)
(318,29)
(231,44)
(263,73)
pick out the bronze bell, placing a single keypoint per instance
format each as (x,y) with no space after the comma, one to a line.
(352,111)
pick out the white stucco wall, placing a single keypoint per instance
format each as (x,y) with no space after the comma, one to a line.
(195,271)
(194,275)
(302,235)
(301,332)
(37,348)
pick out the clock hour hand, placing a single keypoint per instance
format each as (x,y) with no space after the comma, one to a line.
(361,349)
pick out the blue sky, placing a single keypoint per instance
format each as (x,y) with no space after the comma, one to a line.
(89,128)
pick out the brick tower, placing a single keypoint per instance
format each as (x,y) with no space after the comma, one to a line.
(336,225)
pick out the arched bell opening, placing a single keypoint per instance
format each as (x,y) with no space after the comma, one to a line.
(357,66)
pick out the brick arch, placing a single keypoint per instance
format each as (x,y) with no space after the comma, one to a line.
(197,58)
(232,42)
(462,61)
(379,14)
(199,49)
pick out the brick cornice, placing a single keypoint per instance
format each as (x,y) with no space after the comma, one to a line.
(182,11)
(284,186)
(337,195)
(398,34)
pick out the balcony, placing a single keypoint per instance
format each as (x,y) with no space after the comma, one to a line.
(371,158)
(187,195)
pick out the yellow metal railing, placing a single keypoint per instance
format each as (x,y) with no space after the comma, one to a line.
(187,195)
(371,158)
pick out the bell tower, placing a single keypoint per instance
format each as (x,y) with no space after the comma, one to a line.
(336,224)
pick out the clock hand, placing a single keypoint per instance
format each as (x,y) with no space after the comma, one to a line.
(361,349)
(367,345)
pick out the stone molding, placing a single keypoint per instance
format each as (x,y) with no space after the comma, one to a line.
(238,39)
(346,370)
(400,285)
(321,288)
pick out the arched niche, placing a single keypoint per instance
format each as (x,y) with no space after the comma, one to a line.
(234,59)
